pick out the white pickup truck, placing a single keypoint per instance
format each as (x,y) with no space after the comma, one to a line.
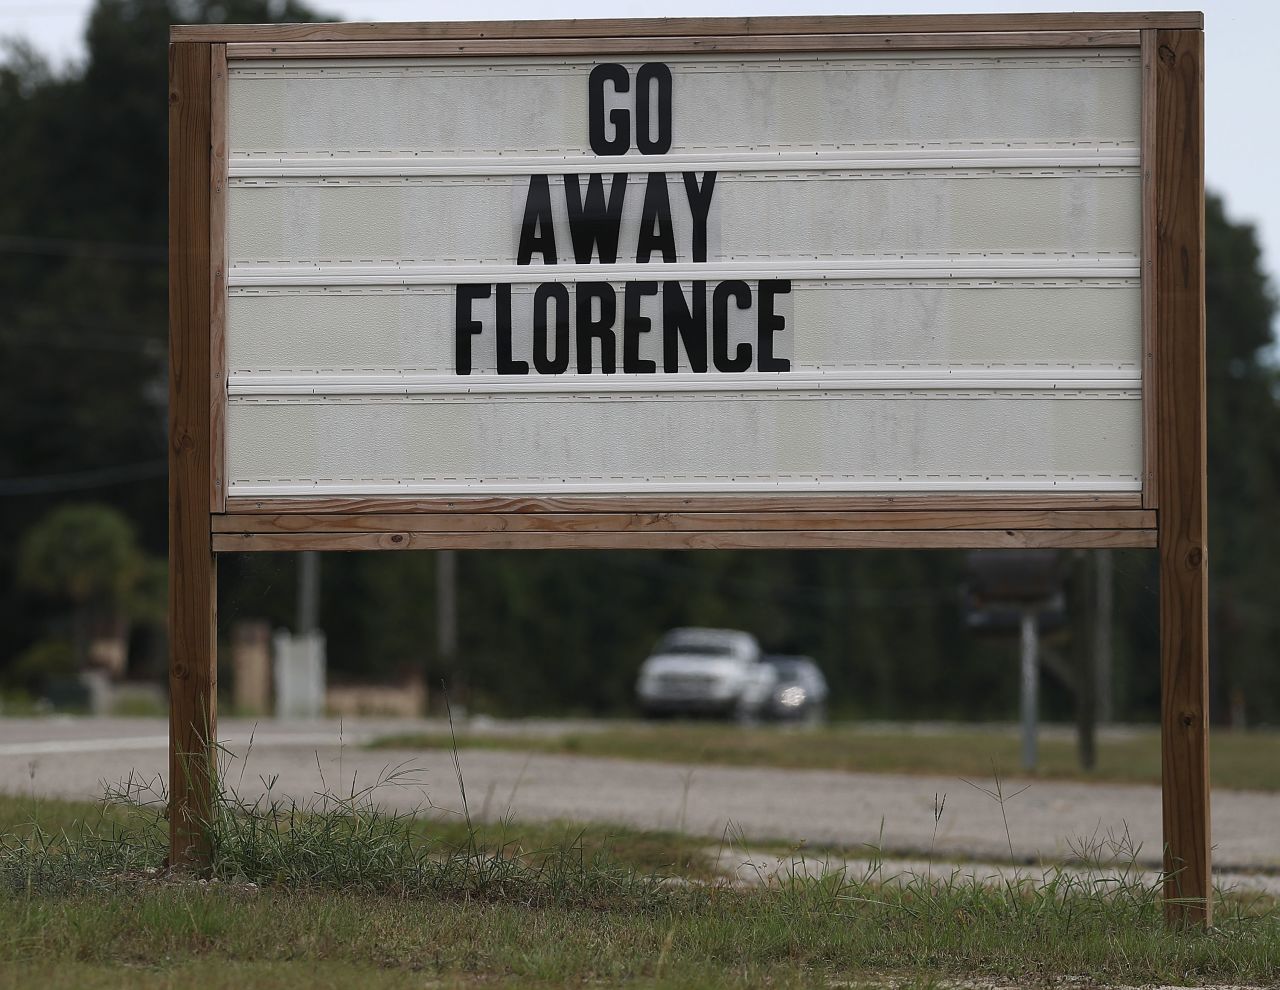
(705,672)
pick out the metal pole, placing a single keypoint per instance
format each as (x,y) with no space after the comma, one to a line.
(1102,657)
(447,610)
(308,592)
(1030,686)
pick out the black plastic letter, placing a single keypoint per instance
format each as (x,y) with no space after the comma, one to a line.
(620,143)
(506,366)
(768,323)
(685,324)
(594,224)
(741,293)
(699,209)
(590,328)
(537,216)
(542,360)
(464,327)
(647,73)
(633,325)
(656,211)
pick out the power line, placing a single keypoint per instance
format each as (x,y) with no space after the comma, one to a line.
(88,339)
(72,481)
(66,248)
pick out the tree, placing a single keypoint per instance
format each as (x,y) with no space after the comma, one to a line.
(87,556)
(83,283)
(1244,470)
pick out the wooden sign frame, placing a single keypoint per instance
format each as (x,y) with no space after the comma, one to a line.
(1169,513)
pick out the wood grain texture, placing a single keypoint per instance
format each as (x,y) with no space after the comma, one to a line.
(672,540)
(1180,361)
(192,566)
(691,44)
(1150,382)
(688,26)
(683,503)
(578,522)
(218,275)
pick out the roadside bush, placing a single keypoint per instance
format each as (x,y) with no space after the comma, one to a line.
(37,666)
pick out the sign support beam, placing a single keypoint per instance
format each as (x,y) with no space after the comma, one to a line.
(193,580)
(1176,58)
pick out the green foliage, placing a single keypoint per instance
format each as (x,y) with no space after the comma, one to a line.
(40,663)
(1244,468)
(87,557)
(83,285)
(147,600)
(83,554)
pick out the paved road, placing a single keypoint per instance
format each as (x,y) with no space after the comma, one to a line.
(60,757)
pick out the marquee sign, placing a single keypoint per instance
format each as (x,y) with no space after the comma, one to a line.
(684,273)
(782,282)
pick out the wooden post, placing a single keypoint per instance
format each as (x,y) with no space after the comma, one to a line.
(1176,59)
(192,567)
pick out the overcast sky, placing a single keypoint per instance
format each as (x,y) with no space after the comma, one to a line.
(1242,81)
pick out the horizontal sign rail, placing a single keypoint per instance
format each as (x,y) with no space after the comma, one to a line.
(965,502)
(756,540)
(306,383)
(267,166)
(249,489)
(406,273)
(492,522)
(659,27)
(726,44)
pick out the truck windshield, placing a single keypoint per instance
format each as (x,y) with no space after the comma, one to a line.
(696,649)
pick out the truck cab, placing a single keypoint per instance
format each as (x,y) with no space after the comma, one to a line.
(704,672)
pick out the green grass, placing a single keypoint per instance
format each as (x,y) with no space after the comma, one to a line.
(1249,761)
(613,847)
(335,893)
(809,937)
(617,846)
